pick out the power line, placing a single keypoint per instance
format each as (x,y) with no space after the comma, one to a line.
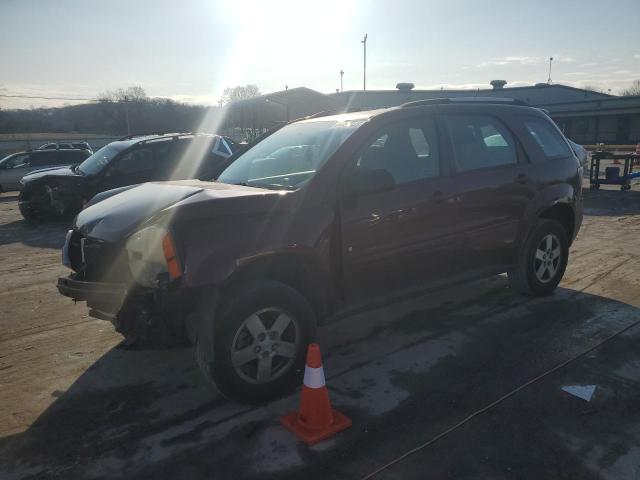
(45,98)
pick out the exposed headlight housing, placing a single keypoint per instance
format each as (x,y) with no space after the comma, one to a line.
(151,252)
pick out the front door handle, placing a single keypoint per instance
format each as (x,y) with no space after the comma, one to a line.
(521,178)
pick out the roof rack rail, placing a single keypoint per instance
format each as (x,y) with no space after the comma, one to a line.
(145,134)
(448,101)
(323,113)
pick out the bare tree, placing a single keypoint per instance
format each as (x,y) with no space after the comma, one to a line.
(240,92)
(124,104)
(135,94)
(631,90)
(593,88)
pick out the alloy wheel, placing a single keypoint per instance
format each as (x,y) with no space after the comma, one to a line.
(546,262)
(265,345)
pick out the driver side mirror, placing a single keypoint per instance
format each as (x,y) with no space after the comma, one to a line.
(363,182)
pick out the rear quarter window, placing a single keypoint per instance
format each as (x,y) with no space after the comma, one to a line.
(547,137)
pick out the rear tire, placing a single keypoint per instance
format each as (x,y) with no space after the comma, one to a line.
(542,261)
(261,333)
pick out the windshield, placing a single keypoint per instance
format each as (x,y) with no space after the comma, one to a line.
(99,160)
(289,157)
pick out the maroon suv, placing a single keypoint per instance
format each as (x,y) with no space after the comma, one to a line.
(322,215)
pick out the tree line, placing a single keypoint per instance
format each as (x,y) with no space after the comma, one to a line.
(119,112)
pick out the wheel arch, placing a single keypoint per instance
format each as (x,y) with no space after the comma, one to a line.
(563,213)
(299,271)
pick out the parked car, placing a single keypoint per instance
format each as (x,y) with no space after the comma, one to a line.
(17,165)
(59,146)
(63,191)
(381,203)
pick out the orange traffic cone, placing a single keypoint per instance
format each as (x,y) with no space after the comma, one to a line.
(316,420)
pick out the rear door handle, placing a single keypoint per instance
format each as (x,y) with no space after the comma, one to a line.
(521,178)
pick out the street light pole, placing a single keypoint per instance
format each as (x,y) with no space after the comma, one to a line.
(549,79)
(126,114)
(364,79)
(341,84)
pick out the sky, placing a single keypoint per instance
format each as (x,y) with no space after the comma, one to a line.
(190,50)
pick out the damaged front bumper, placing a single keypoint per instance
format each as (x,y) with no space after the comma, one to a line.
(107,298)
(147,313)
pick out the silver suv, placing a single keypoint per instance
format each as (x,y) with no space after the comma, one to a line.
(17,165)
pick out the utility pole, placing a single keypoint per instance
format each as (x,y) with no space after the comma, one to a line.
(549,79)
(126,114)
(341,84)
(364,78)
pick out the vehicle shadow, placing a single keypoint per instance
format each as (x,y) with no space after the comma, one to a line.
(404,373)
(605,202)
(39,235)
(8,197)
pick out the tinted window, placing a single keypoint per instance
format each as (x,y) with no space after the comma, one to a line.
(480,141)
(169,157)
(44,158)
(70,157)
(136,161)
(96,162)
(547,137)
(407,150)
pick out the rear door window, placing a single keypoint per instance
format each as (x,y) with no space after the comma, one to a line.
(408,150)
(44,158)
(70,157)
(547,137)
(480,141)
(137,161)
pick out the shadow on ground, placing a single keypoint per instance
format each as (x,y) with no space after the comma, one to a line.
(8,198)
(39,235)
(605,202)
(403,375)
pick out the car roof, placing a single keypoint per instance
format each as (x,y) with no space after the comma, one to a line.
(130,140)
(439,104)
(345,117)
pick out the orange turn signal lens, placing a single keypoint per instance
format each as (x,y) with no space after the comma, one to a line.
(173,264)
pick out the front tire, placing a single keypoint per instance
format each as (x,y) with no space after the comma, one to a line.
(542,261)
(261,333)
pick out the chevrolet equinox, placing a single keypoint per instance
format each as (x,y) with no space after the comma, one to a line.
(324,215)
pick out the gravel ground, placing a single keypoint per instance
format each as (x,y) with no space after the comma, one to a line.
(77,403)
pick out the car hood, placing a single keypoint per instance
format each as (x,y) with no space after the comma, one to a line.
(117,216)
(49,172)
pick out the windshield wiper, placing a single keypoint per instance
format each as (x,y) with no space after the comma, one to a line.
(277,186)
